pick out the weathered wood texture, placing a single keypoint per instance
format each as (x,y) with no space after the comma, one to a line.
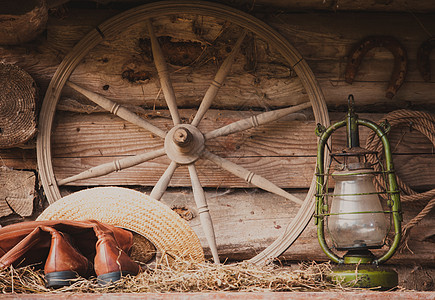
(261,218)
(17,191)
(82,142)
(18,106)
(303,5)
(420,251)
(323,39)
(283,152)
(343,5)
(22,23)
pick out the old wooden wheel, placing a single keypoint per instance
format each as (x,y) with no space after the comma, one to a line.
(227,42)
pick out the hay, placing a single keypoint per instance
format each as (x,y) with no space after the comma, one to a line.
(186,276)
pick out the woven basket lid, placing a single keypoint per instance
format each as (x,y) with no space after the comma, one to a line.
(134,211)
(18,98)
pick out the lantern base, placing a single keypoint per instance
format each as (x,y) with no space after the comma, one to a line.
(364,276)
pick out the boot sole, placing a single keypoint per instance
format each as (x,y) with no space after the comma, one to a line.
(60,279)
(109,278)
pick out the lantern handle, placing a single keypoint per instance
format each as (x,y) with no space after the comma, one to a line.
(320,183)
(393,188)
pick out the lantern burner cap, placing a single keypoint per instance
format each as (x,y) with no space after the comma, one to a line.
(353,166)
(354,151)
(354,158)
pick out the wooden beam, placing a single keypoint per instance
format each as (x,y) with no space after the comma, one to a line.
(246,221)
(289,146)
(322,38)
(283,152)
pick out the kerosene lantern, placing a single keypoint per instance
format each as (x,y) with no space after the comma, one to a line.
(353,215)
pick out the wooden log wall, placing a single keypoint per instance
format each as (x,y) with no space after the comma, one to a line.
(323,38)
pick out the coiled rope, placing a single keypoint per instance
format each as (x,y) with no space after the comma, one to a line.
(424,123)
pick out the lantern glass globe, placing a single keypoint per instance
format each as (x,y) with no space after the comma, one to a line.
(357,220)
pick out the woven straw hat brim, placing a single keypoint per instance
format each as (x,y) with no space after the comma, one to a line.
(131,210)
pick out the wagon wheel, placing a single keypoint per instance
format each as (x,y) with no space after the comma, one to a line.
(184,141)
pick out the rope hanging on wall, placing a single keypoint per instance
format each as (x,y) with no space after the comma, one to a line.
(424,123)
(18,106)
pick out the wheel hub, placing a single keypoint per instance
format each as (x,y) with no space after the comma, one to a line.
(184,144)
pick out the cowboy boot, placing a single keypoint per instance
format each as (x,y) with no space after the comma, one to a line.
(111,261)
(25,243)
(64,263)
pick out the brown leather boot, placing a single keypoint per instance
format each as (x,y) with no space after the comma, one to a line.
(29,243)
(23,245)
(111,261)
(64,263)
(26,243)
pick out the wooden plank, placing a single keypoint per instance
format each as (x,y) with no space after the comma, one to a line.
(371,95)
(284,152)
(247,221)
(79,144)
(271,6)
(336,6)
(82,142)
(285,173)
(21,159)
(323,39)
(421,242)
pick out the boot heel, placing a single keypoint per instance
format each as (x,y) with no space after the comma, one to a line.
(109,278)
(60,279)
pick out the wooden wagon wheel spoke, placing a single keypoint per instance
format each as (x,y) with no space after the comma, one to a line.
(203,211)
(162,69)
(218,81)
(117,110)
(255,121)
(114,166)
(250,177)
(161,185)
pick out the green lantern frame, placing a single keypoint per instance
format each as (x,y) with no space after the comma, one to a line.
(352,122)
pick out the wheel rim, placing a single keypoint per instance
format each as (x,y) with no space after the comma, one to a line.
(116,26)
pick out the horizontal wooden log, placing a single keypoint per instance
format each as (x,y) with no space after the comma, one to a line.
(323,39)
(75,150)
(271,6)
(352,5)
(247,221)
(421,242)
(283,152)
(22,23)
(82,141)
(21,159)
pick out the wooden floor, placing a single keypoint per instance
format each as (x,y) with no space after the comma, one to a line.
(225,295)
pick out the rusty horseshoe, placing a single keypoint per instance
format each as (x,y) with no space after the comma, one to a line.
(400,60)
(423,62)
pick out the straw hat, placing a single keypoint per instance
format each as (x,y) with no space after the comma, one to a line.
(134,211)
